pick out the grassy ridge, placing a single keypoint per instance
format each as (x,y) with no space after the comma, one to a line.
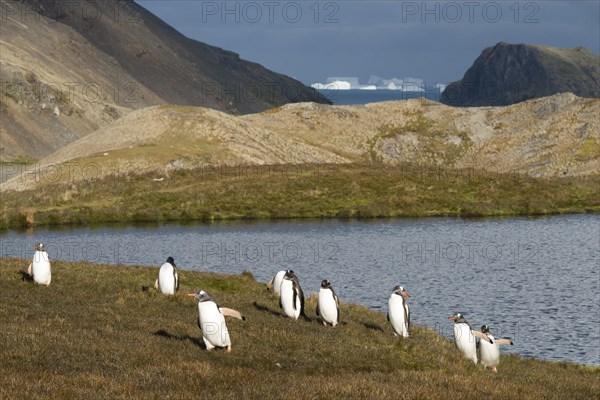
(287,191)
(99,332)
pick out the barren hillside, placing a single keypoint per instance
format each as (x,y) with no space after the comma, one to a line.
(65,73)
(553,136)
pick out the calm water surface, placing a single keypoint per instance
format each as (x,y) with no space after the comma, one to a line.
(535,280)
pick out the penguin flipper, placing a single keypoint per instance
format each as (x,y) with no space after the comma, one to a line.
(388,316)
(30,269)
(301,295)
(483,336)
(229,312)
(477,333)
(270,283)
(504,341)
(337,302)
(156,284)
(176,277)
(317,310)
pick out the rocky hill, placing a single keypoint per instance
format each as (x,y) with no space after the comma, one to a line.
(69,68)
(511,73)
(552,136)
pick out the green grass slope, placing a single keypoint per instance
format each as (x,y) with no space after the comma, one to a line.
(296,191)
(98,332)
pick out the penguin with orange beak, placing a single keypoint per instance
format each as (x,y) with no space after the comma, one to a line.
(211,321)
(464,337)
(399,312)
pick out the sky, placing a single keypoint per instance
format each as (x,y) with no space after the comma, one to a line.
(434,40)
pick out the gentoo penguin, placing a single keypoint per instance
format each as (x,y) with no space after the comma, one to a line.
(489,352)
(168,280)
(328,306)
(211,321)
(39,268)
(275,283)
(291,298)
(464,337)
(398,312)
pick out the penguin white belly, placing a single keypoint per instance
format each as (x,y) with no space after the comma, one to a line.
(396,314)
(212,323)
(489,353)
(277,282)
(328,306)
(287,299)
(465,341)
(40,268)
(166,279)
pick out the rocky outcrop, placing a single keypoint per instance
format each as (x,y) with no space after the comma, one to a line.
(510,73)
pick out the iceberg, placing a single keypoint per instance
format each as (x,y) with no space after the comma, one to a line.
(406,84)
(335,85)
(352,80)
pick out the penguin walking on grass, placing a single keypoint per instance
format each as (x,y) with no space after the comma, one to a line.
(168,280)
(291,297)
(489,350)
(464,337)
(328,305)
(211,321)
(39,269)
(399,312)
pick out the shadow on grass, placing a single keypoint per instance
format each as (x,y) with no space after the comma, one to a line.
(25,276)
(181,338)
(266,309)
(375,327)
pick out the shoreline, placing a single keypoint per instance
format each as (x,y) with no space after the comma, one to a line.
(100,331)
(311,294)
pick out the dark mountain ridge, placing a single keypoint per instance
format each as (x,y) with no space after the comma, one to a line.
(68,68)
(510,73)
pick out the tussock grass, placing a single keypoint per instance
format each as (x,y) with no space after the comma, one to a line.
(99,332)
(296,191)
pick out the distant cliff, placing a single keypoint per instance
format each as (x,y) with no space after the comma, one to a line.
(510,73)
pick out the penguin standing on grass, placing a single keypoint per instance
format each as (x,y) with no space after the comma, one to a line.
(168,280)
(328,305)
(291,297)
(399,312)
(211,321)
(39,269)
(464,337)
(489,350)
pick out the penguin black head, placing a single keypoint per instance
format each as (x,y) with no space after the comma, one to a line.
(325,284)
(201,296)
(40,247)
(399,290)
(485,329)
(458,318)
(171,261)
(289,274)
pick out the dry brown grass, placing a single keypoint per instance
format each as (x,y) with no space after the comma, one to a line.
(98,332)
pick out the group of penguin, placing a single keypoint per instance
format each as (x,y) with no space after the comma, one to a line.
(286,285)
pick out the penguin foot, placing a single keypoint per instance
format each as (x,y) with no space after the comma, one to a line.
(229,349)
